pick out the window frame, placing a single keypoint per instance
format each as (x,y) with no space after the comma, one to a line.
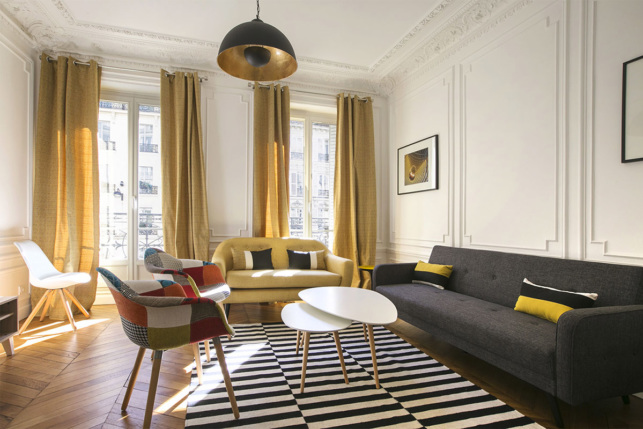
(309,118)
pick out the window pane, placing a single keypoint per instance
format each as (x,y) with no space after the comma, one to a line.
(150,227)
(297,207)
(323,175)
(113,166)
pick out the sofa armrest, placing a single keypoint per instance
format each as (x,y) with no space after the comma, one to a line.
(342,266)
(221,263)
(390,274)
(599,353)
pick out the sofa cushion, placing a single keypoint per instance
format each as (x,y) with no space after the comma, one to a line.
(252,259)
(262,279)
(432,274)
(527,341)
(549,303)
(306,260)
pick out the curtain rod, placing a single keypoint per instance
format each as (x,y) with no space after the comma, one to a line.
(81,63)
(252,85)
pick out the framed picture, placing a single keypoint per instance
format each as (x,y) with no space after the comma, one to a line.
(632,119)
(417,166)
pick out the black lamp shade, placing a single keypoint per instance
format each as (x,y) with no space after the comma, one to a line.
(257,51)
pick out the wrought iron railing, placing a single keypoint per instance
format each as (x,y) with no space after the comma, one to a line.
(114,243)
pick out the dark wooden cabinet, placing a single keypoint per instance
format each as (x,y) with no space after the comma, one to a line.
(8,322)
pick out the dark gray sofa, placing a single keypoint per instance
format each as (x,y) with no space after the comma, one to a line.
(590,354)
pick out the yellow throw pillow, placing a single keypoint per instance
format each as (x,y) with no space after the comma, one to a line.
(549,303)
(432,274)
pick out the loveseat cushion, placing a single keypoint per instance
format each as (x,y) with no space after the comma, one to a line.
(527,341)
(252,259)
(264,279)
(306,260)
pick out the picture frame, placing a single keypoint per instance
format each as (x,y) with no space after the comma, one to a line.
(632,114)
(417,166)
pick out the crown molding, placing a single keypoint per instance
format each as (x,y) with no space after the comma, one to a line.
(49,26)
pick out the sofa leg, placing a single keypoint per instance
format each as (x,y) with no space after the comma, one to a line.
(626,399)
(555,409)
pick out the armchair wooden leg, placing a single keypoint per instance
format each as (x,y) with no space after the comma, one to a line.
(67,309)
(132,378)
(197,359)
(151,394)
(226,376)
(76,302)
(35,310)
(46,307)
(207,350)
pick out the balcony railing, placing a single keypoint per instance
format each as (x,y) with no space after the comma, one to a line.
(113,239)
(145,188)
(150,148)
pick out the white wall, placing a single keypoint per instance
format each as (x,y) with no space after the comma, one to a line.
(528,111)
(16,124)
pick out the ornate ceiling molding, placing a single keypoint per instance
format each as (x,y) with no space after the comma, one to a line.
(49,26)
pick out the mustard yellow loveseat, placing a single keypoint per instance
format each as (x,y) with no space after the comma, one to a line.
(280,283)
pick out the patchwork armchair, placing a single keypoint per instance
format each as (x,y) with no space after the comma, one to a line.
(204,277)
(161,315)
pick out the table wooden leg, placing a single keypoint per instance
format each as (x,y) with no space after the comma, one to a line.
(364,330)
(373,356)
(298,340)
(340,353)
(304,361)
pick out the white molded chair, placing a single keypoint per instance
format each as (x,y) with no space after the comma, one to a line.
(44,275)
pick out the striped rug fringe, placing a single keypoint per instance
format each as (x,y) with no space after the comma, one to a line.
(416,390)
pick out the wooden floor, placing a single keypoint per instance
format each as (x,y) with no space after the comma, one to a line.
(63,379)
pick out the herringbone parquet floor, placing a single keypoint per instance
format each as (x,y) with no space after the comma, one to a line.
(61,379)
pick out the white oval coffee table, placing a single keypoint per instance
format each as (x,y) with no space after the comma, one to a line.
(306,318)
(361,305)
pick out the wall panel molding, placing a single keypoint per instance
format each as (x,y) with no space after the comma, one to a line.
(228,154)
(603,67)
(437,94)
(521,207)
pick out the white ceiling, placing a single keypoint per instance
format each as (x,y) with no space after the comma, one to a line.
(339,42)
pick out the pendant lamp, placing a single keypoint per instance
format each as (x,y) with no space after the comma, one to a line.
(257,51)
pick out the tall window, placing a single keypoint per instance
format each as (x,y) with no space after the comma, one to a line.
(312,170)
(130,200)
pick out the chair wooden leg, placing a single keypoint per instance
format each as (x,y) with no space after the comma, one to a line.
(207,350)
(75,301)
(35,310)
(151,394)
(197,359)
(226,376)
(132,378)
(46,307)
(67,309)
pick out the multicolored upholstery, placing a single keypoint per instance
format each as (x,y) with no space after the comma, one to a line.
(204,277)
(160,315)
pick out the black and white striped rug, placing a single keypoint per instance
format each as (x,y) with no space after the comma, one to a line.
(416,391)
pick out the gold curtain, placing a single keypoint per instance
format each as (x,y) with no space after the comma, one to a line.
(65,191)
(271,161)
(185,205)
(355,202)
